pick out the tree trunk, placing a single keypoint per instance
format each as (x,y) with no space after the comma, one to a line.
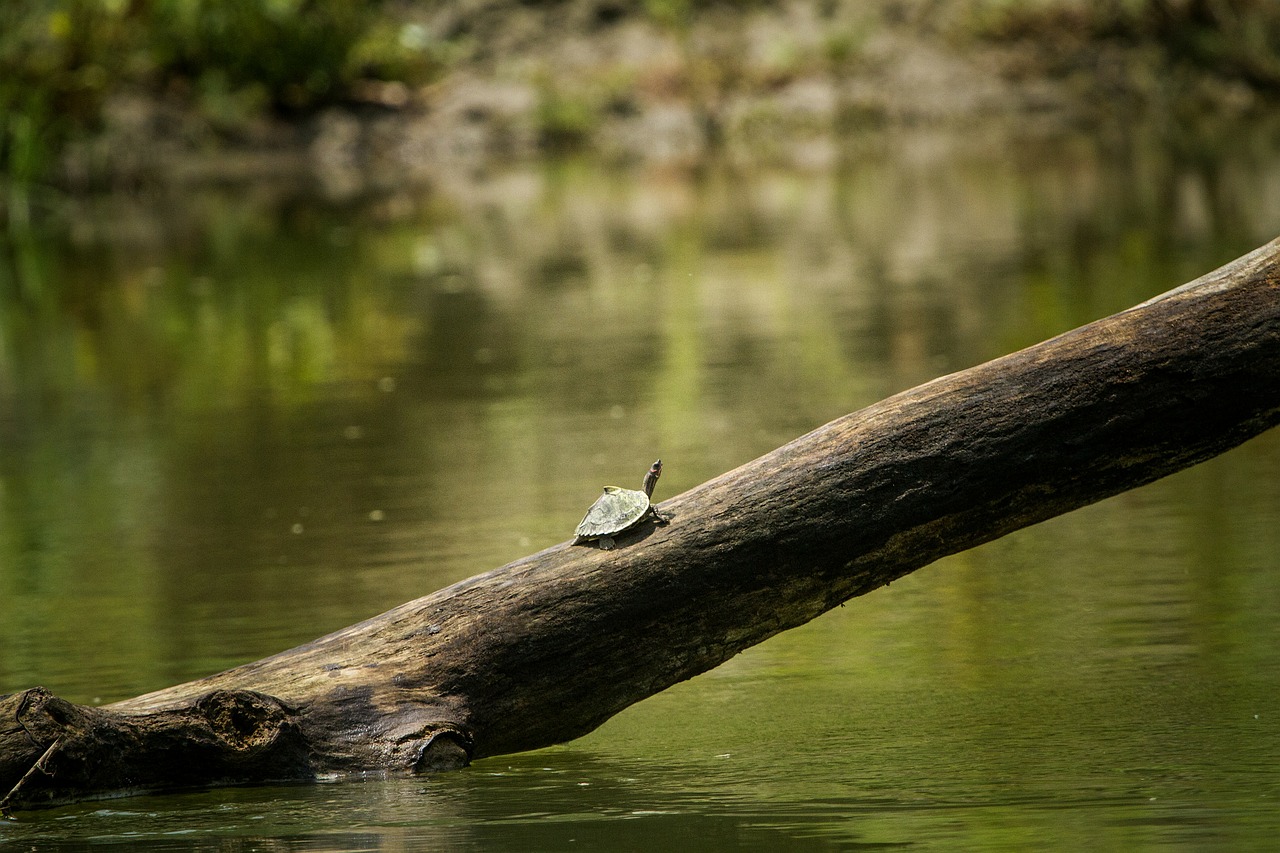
(545,649)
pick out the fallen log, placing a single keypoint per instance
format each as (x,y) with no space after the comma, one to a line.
(545,649)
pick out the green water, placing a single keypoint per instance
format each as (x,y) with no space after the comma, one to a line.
(234,422)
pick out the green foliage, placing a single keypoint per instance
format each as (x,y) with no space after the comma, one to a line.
(1240,38)
(670,13)
(1232,38)
(56,58)
(294,51)
(59,59)
(565,121)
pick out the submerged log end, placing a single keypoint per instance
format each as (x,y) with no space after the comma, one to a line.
(56,751)
(53,751)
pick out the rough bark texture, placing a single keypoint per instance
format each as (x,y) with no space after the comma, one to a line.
(545,649)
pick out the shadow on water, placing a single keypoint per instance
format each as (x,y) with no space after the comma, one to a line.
(232,424)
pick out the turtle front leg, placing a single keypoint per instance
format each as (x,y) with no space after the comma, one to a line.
(606,543)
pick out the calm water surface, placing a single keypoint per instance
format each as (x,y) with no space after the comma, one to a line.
(231,425)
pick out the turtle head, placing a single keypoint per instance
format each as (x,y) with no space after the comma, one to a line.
(651,479)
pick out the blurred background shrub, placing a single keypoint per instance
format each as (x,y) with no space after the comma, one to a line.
(232,59)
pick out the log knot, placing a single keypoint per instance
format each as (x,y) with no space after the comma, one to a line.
(243,720)
(44,717)
(445,749)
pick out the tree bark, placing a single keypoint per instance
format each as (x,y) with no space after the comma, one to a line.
(547,648)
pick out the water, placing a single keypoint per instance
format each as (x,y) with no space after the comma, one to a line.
(234,423)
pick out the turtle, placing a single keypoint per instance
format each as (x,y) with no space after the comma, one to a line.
(619,509)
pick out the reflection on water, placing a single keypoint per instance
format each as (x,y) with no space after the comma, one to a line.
(227,428)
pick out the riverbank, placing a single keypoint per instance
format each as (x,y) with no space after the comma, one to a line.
(429,95)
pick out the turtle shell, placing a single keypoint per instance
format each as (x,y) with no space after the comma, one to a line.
(613,512)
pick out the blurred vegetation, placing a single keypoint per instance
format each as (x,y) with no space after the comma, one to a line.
(230,59)
(230,63)
(1237,39)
